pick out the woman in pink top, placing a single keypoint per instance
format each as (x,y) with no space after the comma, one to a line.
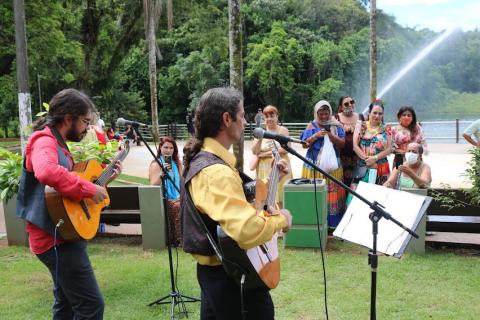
(407,131)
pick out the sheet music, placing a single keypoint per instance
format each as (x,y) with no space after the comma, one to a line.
(405,207)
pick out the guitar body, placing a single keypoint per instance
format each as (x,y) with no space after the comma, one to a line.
(80,219)
(261,264)
(262,271)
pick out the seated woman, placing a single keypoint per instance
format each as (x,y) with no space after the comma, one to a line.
(315,133)
(414,173)
(112,135)
(131,135)
(168,156)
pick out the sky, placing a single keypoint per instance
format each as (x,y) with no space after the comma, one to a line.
(436,15)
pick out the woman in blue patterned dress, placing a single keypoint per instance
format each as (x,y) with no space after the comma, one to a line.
(325,125)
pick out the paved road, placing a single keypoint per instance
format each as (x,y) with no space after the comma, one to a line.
(448,162)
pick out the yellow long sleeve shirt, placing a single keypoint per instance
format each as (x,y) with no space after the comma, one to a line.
(217,191)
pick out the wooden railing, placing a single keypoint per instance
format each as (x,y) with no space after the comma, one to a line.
(436,131)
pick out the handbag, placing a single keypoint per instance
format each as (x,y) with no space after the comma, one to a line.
(359,171)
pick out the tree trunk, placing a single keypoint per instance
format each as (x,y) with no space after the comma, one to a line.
(152,62)
(169,15)
(24,98)
(373,50)
(236,63)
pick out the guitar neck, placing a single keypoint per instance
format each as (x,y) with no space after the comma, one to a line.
(107,173)
(273,180)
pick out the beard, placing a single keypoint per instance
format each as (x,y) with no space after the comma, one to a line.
(74,135)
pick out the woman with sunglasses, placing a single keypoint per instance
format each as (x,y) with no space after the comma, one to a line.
(348,118)
(407,131)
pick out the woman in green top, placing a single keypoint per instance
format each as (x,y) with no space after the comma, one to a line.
(414,173)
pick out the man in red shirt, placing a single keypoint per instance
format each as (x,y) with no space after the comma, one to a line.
(47,161)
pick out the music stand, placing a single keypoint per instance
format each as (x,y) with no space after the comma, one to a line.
(377,212)
(175,297)
(407,207)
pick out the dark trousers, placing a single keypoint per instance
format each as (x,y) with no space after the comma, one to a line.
(221,297)
(75,288)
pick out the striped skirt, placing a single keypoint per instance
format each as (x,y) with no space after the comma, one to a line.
(336,194)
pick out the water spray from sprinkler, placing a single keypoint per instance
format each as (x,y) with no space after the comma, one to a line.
(422,54)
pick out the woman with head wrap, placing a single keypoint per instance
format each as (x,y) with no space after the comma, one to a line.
(324,125)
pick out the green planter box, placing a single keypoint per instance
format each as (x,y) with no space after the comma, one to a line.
(305,236)
(300,201)
(15,227)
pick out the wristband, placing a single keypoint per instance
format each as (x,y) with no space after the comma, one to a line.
(376,158)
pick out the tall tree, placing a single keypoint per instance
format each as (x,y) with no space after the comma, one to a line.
(24,99)
(152,16)
(373,50)
(236,63)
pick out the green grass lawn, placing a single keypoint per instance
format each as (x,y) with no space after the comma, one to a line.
(127,179)
(437,285)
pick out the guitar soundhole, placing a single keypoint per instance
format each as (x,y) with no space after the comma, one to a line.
(85,209)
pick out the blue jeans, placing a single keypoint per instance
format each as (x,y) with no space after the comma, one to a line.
(75,289)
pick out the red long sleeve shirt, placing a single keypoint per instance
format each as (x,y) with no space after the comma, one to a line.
(41,157)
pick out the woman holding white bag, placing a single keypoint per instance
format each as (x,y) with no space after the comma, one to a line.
(325,136)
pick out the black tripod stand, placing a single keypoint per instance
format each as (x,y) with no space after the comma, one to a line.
(175,297)
(375,216)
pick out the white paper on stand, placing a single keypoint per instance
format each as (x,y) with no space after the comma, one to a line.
(407,208)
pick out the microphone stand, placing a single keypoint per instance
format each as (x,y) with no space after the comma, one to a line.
(175,296)
(377,213)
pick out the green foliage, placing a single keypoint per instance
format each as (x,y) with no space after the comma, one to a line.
(473,174)
(296,52)
(93,151)
(272,64)
(448,199)
(10,171)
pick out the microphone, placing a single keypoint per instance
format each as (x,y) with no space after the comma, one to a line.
(123,122)
(259,133)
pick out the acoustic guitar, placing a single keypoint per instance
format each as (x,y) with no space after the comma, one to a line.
(80,220)
(261,264)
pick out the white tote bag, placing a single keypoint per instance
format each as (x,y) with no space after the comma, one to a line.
(327,158)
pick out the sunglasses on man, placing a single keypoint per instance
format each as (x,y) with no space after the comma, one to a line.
(347,103)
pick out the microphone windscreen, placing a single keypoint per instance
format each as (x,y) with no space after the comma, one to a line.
(258,133)
(120,122)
